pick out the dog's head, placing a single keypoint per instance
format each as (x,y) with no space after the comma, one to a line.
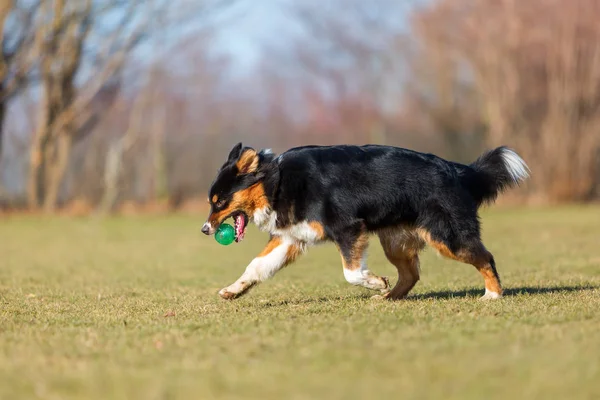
(238,189)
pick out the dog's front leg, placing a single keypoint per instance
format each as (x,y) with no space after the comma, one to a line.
(278,253)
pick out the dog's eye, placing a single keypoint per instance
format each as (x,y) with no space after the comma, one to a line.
(220,203)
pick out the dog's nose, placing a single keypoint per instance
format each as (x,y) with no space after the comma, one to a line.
(206,228)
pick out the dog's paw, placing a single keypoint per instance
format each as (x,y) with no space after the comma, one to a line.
(490,296)
(236,290)
(387,287)
(227,295)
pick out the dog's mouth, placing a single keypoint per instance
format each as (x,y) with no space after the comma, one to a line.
(240,223)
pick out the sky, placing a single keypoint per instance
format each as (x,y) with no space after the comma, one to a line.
(249,25)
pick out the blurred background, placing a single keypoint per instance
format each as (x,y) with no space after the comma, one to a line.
(132,105)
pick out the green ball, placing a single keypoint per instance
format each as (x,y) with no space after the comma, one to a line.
(225,235)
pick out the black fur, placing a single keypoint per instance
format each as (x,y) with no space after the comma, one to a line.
(487,177)
(229,180)
(381,186)
(353,190)
(373,187)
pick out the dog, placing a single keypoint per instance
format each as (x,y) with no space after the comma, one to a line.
(344,193)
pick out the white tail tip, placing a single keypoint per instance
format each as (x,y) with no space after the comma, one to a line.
(515,165)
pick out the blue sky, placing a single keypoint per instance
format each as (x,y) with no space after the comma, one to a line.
(247,26)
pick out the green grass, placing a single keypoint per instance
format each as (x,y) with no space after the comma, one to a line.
(127,308)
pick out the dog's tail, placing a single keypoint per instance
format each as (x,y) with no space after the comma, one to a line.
(494,172)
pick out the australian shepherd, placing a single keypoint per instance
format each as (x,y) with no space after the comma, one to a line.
(342,194)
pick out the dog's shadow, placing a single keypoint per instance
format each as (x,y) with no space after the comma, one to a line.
(445,295)
(515,291)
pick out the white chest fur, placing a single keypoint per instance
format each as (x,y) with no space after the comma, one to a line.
(266,220)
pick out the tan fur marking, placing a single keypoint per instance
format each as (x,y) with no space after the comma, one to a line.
(491,283)
(355,268)
(443,249)
(247,200)
(248,162)
(402,238)
(292,253)
(215,198)
(245,282)
(423,234)
(356,253)
(439,246)
(318,227)
(408,274)
(401,246)
(251,199)
(273,243)
(479,258)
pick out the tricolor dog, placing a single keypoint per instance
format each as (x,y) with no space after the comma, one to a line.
(344,194)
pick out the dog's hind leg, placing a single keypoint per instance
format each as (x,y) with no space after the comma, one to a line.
(352,245)
(402,248)
(278,253)
(472,252)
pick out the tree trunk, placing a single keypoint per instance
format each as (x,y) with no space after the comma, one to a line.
(5,8)
(37,158)
(59,157)
(49,159)
(34,182)
(39,149)
(2,115)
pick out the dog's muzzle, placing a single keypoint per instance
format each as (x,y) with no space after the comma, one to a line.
(207,229)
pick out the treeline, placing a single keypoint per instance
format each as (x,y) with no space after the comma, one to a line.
(101,107)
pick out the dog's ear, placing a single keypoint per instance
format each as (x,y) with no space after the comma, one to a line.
(248,161)
(234,154)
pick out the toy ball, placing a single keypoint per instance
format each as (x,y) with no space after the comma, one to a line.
(225,235)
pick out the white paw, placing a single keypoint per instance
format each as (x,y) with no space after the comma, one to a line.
(235,290)
(489,295)
(374,282)
(227,295)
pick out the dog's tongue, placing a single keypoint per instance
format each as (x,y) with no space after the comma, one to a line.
(240,228)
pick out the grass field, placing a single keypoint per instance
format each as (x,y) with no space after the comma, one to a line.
(127,308)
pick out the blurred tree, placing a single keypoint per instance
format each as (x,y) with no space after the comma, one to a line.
(350,57)
(84,45)
(535,67)
(348,49)
(16,59)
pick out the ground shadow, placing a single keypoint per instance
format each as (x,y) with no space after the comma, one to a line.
(449,294)
(443,295)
